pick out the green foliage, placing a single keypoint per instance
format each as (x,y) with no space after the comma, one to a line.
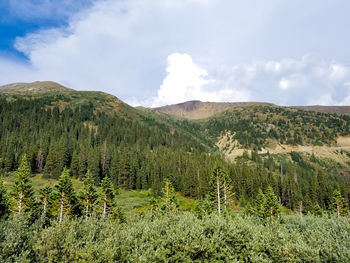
(203,207)
(180,237)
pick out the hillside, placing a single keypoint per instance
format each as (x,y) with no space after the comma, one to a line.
(196,109)
(139,148)
(345,110)
(199,110)
(254,126)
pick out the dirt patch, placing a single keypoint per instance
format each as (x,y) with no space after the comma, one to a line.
(343,141)
(336,153)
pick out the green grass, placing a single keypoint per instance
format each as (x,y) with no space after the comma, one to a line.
(39,182)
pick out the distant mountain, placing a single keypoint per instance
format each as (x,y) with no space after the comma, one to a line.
(196,109)
(326,109)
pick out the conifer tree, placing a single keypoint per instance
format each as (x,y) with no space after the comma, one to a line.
(4,201)
(260,205)
(338,204)
(105,202)
(22,192)
(65,200)
(272,205)
(88,194)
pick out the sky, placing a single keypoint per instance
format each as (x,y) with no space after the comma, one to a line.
(159,52)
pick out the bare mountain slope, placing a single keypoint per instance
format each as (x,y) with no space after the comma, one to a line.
(326,109)
(199,110)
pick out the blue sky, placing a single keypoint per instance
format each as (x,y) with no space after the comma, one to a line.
(156,52)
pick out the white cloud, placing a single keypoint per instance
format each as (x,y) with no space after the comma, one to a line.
(187,81)
(122,47)
(308,80)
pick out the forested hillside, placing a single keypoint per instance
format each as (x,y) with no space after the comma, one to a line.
(252,126)
(138,149)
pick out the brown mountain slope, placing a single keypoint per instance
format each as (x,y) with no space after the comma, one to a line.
(199,110)
(345,110)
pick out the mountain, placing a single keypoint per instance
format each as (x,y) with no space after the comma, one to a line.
(196,109)
(138,148)
(345,110)
(199,110)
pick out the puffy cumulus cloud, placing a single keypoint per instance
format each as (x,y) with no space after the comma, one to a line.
(306,81)
(187,81)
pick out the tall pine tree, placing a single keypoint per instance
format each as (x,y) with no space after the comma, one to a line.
(88,195)
(65,200)
(105,202)
(22,192)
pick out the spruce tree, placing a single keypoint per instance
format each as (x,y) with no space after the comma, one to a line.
(65,200)
(338,204)
(260,205)
(22,192)
(88,194)
(105,202)
(272,205)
